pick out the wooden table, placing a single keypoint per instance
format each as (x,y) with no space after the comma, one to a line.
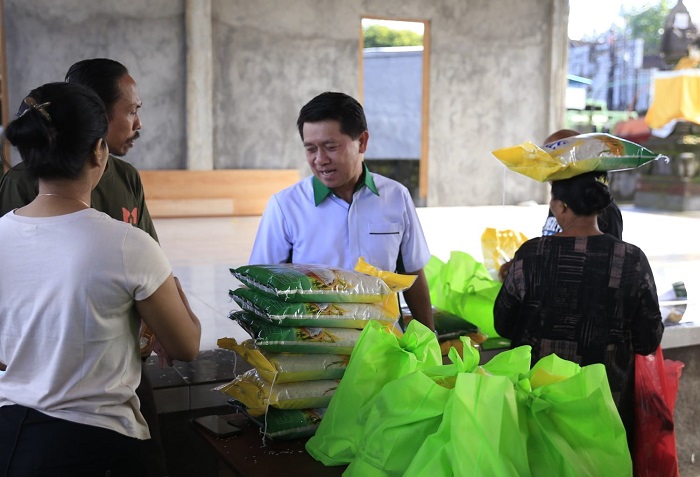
(245,455)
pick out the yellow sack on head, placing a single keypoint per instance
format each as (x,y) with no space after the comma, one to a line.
(572,156)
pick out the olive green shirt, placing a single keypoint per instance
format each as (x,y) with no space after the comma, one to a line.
(119,193)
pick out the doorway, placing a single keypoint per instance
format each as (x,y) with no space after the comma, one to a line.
(394,90)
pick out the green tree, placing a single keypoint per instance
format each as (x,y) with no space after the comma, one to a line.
(379,35)
(648,25)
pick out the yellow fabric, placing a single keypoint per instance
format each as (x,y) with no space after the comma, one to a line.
(687,62)
(676,96)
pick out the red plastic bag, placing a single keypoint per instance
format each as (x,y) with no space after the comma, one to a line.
(655,389)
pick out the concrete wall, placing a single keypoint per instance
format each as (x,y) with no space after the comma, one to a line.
(44,37)
(493,70)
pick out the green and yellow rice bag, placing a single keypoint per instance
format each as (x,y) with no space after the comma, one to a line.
(286,339)
(284,423)
(257,393)
(288,367)
(332,315)
(297,282)
(571,156)
(313,283)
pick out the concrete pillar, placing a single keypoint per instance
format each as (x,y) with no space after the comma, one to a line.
(559,65)
(200,85)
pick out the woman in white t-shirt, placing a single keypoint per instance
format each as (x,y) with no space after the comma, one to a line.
(71,284)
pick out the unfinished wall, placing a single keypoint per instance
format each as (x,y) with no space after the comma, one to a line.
(490,75)
(44,37)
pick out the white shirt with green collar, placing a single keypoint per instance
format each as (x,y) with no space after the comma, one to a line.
(308,223)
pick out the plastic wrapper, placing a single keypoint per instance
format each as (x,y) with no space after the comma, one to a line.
(333,315)
(281,424)
(574,155)
(257,393)
(286,339)
(499,247)
(318,283)
(655,390)
(288,367)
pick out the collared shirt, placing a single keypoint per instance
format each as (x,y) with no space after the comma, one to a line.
(308,223)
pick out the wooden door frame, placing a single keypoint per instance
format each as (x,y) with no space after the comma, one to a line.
(425,96)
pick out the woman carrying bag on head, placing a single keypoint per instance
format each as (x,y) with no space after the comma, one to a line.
(586,296)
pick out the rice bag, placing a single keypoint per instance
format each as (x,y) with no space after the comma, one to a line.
(313,283)
(332,315)
(257,393)
(571,156)
(284,423)
(286,339)
(288,367)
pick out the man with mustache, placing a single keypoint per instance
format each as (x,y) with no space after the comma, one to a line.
(118,194)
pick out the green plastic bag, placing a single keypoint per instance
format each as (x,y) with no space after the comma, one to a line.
(463,287)
(482,432)
(574,428)
(404,411)
(410,409)
(379,358)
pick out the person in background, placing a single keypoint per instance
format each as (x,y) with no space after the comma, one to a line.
(609,220)
(584,295)
(119,193)
(72,282)
(343,211)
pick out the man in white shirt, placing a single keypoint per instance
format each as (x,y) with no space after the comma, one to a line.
(344,212)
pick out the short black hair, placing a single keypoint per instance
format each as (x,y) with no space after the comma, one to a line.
(335,107)
(102,75)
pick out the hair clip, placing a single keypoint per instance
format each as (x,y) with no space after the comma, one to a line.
(31,102)
(602,179)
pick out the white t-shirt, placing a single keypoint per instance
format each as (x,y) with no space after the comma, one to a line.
(376,226)
(67,322)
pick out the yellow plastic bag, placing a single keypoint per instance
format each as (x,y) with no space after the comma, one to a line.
(499,247)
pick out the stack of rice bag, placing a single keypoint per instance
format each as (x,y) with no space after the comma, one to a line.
(304,321)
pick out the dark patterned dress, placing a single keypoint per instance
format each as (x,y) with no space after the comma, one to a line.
(586,299)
